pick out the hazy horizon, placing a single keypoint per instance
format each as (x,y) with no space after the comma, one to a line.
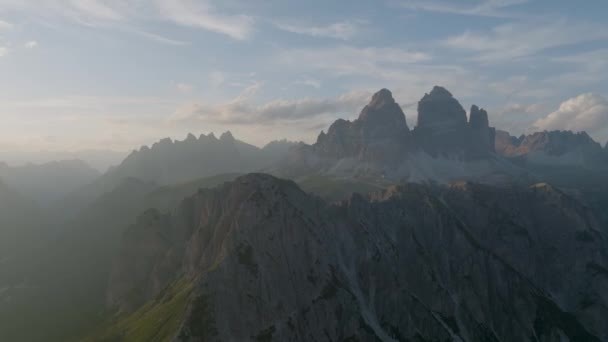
(396,170)
(117,75)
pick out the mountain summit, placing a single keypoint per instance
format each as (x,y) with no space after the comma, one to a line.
(260,259)
(379,134)
(380,143)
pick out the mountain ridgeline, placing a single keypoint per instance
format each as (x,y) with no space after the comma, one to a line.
(446,230)
(261,259)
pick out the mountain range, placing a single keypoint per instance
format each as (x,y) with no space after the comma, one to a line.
(258,258)
(444,230)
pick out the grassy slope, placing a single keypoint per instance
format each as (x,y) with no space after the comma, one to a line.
(156,321)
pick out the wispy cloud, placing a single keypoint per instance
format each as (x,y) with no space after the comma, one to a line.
(200,14)
(349,60)
(31,44)
(132,15)
(184,87)
(5,25)
(242,111)
(344,30)
(517,39)
(157,37)
(485,8)
(94,9)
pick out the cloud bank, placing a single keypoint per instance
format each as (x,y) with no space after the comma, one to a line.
(586,112)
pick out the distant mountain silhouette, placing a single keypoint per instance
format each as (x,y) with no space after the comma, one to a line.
(379,144)
(552,147)
(48,182)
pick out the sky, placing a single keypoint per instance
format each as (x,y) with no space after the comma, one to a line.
(118,74)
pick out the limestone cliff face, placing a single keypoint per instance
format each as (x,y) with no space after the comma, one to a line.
(482,136)
(379,134)
(465,262)
(564,147)
(443,129)
(379,143)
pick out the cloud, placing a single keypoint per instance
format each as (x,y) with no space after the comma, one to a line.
(309,82)
(485,8)
(241,110)
(157,37)
(586,112)
(407,72)
(217,78)
(516,39)
(518,109)
(3,51)
(133,15)
(348,60)
(200,14)
(31,44)
(184,87)
(5,25)
(99,10)
(344,30)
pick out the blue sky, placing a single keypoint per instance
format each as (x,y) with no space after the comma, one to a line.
(117,74)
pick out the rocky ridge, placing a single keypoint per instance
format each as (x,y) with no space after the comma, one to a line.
(465,262)
(379,143)
(552,147)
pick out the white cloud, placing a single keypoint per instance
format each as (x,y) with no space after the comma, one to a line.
(131,15)
(200,14)
(344,30)
(184,87)
(486,8)
(157,37)
(31,44)
(95,9)
(3,51)
(516,39)
(5,25)
(586,112)
(242,111)
(408,73)
(309,82)
(348,60)
(217,78)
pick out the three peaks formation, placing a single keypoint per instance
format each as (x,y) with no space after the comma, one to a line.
(379,231)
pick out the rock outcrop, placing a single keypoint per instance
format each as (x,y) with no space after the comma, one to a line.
(443,129)
(171,162)
(379,143)
(379,134)
(467,262)
(552,147)
(482,138)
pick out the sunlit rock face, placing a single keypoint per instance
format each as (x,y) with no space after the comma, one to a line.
(553,147)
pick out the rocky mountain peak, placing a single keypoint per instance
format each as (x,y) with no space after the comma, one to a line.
(383,110)
(439,91)
(478,117)
(439,109)
(381,98)
(227,136)
(443,128)
(379,133)
(190,137)
(253,243)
